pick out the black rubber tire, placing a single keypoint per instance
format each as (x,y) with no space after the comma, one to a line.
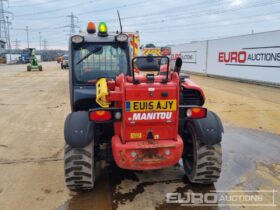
(40,68)
(79,168)
(28,68)
(202,163)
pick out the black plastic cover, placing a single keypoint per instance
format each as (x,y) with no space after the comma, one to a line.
(78,130)
(209,130)
(147,64)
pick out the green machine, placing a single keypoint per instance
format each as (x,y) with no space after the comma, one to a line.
(33,62)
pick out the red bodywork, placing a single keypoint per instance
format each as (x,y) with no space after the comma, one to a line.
(146,139)
(189,84)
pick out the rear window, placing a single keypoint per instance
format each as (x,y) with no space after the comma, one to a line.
(92,62)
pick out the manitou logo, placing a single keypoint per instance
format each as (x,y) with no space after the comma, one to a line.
(152,116)
(233,57)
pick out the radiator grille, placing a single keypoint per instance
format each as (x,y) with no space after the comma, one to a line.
(191,97)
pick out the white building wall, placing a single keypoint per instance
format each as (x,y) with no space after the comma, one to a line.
(193,56)
(254,57)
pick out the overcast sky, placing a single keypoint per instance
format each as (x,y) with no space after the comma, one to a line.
(160,22)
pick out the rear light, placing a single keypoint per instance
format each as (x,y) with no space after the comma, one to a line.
(196,112)
(100,115)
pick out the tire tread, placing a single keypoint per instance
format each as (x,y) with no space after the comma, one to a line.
(79,168)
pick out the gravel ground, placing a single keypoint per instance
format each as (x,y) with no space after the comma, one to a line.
(33,106)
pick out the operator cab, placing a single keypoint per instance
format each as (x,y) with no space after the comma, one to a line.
(92,56)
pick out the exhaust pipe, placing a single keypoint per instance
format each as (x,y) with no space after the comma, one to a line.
(178,65)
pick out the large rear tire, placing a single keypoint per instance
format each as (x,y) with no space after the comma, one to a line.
(79,168)
(202,163)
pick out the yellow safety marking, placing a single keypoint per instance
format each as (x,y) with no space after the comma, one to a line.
(102,92)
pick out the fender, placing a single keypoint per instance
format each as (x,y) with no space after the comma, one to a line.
(78,130)
(209,129)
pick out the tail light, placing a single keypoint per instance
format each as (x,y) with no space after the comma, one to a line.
(196,112)
(100,116)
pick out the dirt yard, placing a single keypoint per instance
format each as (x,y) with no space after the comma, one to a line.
(34,105)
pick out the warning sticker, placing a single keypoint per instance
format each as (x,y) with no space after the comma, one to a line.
(135,135)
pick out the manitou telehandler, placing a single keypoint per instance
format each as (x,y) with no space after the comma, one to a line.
(142,120)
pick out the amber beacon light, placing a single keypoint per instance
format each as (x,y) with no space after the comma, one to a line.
(91,29)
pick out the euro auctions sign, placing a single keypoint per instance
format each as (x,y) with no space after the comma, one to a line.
(266,56)
(187,56)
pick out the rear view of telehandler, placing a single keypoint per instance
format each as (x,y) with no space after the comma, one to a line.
(145,119)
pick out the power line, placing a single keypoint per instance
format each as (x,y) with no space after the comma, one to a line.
(199,14)
(84,12)
(151,14)
(192,14)
(19,1)
(177,16)
(159,18)
(16,4)
(55,10)
(129,5)
(176,8)
(203,24)
(171,17)
(198,24)
(207,28)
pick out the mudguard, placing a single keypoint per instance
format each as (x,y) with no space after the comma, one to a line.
(78,130)
(209,130)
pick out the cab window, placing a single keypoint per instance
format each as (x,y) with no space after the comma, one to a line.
(95,61)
